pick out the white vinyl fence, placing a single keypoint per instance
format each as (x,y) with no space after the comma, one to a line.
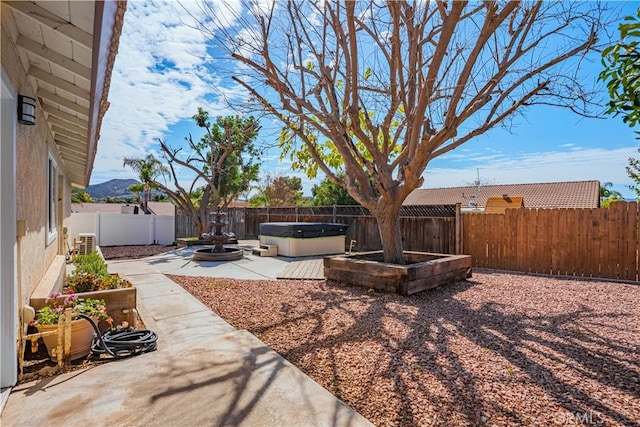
(115,229)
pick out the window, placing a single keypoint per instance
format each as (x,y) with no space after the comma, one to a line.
(52,203)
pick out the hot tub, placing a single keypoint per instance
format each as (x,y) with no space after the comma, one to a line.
(304,238)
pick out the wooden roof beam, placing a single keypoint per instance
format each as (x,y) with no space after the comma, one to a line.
(59,83)
(65,116)
(62,101)
(67,133)
(67,125)
(54,57)
(79,146)
(52,21)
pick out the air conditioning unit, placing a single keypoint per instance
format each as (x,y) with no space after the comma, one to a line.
(87,243)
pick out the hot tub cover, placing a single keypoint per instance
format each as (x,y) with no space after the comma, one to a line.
(302,230)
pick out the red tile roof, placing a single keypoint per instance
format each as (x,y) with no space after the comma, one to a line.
(574,194)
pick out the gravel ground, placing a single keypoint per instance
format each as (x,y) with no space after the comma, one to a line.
(134,252)
(499,349)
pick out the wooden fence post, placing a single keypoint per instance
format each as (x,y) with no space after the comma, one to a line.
(333,217)
(458,229)
(244,222)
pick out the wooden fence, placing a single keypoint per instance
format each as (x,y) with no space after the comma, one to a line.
(573,242)
(424,228)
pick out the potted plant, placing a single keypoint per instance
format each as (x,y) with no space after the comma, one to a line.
(49,317)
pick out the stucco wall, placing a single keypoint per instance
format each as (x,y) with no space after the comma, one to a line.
(33,143)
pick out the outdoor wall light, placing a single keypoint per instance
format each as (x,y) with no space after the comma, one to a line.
(26,110)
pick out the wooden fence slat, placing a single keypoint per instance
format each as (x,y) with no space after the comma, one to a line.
(630,236)
(563,243)
(614,242)
(549,238)
(625,269)
(578,244)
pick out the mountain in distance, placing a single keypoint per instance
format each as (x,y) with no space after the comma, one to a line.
(112,188)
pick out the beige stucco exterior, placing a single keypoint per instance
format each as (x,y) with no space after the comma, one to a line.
(34,144)
(66,69)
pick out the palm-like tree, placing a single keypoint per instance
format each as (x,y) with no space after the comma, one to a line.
(148,169)
(608,195)
(607,192)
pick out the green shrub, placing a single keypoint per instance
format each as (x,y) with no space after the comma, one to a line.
(114,282)
(90,274)
(91,264)
(83,282)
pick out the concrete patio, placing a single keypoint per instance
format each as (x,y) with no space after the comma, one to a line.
(250,267)
(204,372)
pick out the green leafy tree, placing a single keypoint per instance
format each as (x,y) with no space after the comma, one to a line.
(633,170)
(80,196)
(279,191)
(160,197)
(224,162)
(148,170)
(137,189)
(380,89)
(622,76)
(329,193)
(622,72)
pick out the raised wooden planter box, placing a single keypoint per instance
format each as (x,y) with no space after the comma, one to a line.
(422,271)
(120,304)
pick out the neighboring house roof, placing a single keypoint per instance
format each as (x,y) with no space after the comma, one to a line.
(238,204)
(158,208)
(574,194)
(68,49)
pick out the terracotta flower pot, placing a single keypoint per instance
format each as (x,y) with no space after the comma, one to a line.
(81,338)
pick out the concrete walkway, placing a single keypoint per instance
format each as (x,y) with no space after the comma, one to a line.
(204,373)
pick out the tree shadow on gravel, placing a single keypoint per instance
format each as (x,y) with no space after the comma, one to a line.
(532,349)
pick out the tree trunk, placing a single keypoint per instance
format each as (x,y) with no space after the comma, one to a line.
(202,225)
(388,219)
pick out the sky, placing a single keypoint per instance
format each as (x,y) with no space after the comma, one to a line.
(162,75)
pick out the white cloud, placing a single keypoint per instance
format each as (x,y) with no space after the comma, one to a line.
(160,78)
(605,165)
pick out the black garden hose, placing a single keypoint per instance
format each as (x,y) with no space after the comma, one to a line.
(122,343)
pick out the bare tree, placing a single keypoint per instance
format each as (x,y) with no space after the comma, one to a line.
(223,163)
(379,89)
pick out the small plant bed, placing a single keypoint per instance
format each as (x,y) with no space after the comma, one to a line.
(91,279)
(134,251)
(91,274)
(422,271)
(498,350)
